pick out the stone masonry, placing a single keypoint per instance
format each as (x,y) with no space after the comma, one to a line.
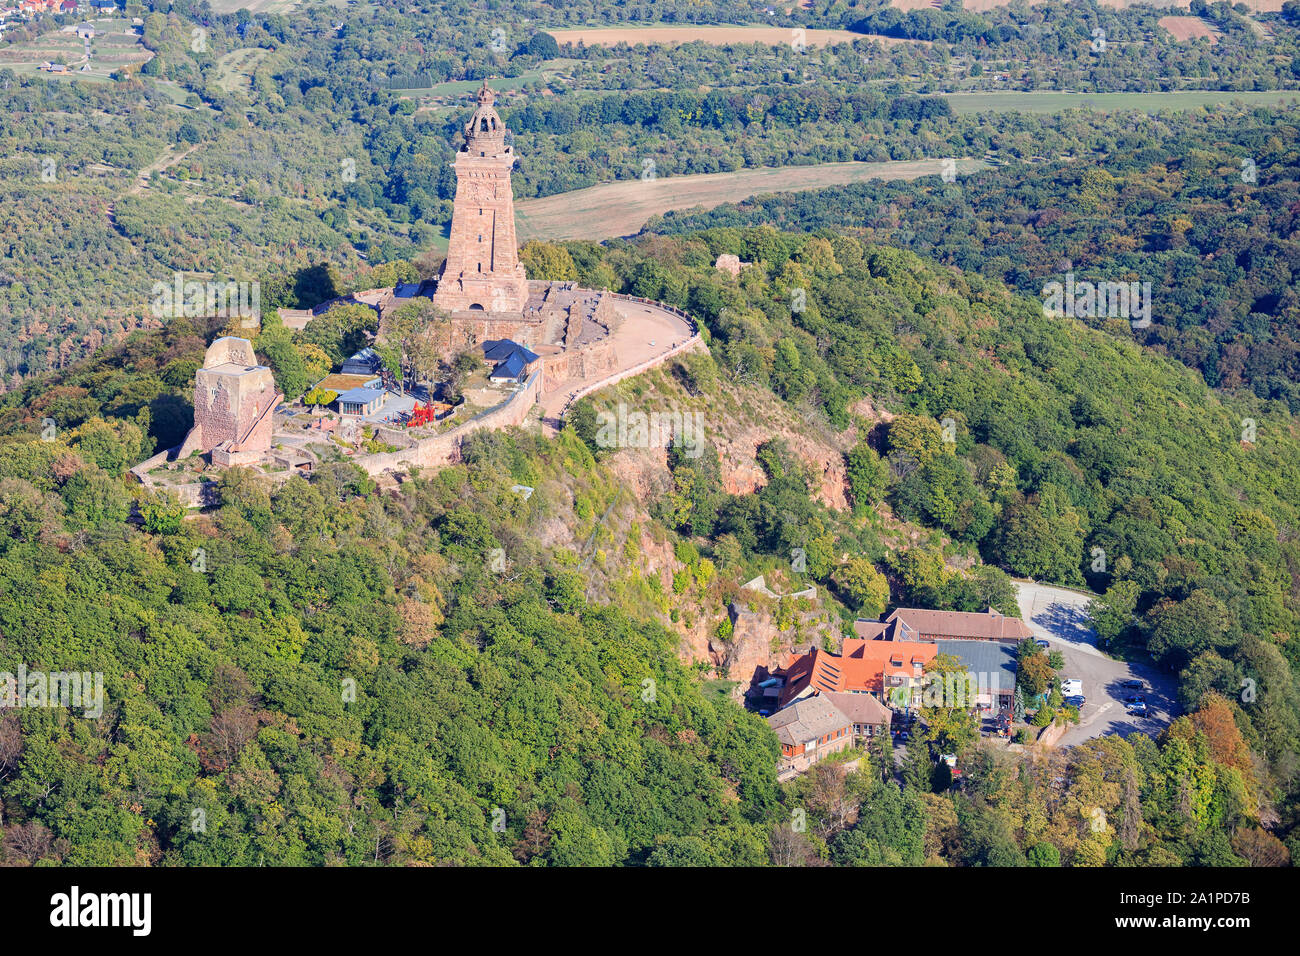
(483,272)
(234,399)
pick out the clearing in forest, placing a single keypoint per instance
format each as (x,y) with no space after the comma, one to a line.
(1035,101)
(674,36)
(1190,28)
(981,6)
(235,69)
(622,208)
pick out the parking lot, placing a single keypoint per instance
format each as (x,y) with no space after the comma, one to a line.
(1059,616)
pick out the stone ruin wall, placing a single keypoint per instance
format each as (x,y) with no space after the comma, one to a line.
(574,365)
(445,449)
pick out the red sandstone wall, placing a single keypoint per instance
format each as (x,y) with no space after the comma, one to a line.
(445,449)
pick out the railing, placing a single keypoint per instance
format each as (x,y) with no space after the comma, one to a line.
(681,313)
(642,366)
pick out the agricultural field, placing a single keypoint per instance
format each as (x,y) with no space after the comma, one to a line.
(112,47)
(236,68)
(253,6)
(53,47)
(719,35)
(456,90)
(979,6)
(1053,102)
(281,6)
(1190,28)
(621,209)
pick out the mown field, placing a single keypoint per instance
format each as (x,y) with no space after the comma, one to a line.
(253,6)
(720,35)
(111,48)
(237,67)
(1190,28)
(621,209)
(502,84)
(1053,102)
(978,6)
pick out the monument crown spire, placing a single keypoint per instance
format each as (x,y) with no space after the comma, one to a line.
(482,271)
(485,133)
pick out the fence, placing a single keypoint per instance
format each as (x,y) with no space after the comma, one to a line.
(691,343)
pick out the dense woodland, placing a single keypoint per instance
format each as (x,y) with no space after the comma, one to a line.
(1209,218)
(227,688)
(343,677)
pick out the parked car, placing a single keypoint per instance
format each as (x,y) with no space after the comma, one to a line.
(1076,700)
(1071,687)
(1134,684)
(1042,643)
(1134,699)
(1137,710)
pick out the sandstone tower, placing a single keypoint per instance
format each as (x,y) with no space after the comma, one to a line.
(234,399)
(483,271)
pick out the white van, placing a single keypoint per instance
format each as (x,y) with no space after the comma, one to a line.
(1071,687)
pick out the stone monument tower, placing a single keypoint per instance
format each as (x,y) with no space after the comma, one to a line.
(234,399)
(483,271)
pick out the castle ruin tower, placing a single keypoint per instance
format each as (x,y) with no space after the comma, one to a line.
(483,271)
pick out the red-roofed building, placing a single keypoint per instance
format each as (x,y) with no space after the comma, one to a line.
(864,667)
(808,731)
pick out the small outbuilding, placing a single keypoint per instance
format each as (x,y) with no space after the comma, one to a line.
(362,402)
(513,361)
(365,362)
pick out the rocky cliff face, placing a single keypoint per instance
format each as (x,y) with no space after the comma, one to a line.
(742,474)
(737,422)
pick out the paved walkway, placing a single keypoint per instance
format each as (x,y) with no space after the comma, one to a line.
(647,331)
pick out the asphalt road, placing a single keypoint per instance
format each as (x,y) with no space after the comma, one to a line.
(1059,616)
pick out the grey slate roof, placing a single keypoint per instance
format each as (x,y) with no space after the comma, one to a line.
(363,363)
(860,708)
(361,396)
(985,657)
(499,350)
(807,719)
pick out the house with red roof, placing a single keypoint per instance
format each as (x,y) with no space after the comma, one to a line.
(879,668)
(809,730)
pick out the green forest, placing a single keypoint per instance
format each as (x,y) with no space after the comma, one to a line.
(1207,217)
(344,678)
(437,669)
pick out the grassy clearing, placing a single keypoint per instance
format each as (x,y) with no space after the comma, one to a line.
(719,35)
(1051,102)
(622,208)
(979,6)
(456,91)
(253,6)
(235,69)
(1190,28)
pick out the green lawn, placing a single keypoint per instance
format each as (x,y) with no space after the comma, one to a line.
(720,689)
(1051,102)
(542,72)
